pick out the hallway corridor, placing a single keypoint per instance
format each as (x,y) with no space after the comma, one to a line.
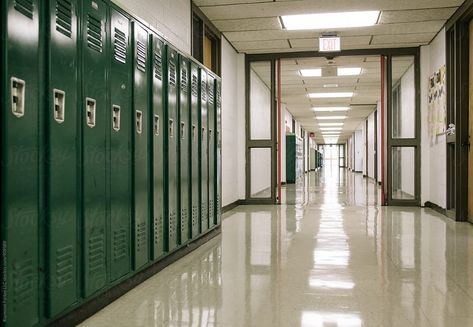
(330,256)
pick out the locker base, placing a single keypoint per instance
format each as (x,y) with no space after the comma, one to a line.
(91,307)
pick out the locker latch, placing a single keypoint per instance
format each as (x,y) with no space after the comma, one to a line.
(139,121)
(59,105)
(194,136)
(203,132)
(116,117)
(210,133)
(182,130)
(171,128)
(17,97)
(90,111)
(156,125)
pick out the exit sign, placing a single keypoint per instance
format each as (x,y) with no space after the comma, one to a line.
(329,44)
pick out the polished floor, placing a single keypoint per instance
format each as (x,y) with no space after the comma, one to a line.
(329,257)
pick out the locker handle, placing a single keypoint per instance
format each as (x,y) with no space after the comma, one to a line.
(203,132)
(171,128)
(116,117)
(59,105)
(210,133)
(18,96)
(139,122)
(194,133)
(156,125)
(90,111)
(182,129)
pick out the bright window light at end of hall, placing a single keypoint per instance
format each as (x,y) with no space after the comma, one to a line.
(330,20)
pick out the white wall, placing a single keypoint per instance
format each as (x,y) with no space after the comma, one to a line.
(233,124)
(371,144)
(365,158)
(379,141)
(359,150)
(171,18)
(433,155)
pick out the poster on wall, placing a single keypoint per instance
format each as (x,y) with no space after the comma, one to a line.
(437,103)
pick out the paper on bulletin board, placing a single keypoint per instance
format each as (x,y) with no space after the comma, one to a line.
(437,103)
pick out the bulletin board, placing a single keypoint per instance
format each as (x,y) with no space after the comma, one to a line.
(437,103)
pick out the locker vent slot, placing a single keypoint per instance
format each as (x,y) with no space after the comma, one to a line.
(211,94)
(94,33)
(158,65)
(23,281)
(64,17)
(183,220)
(204,212)
(26,7)
(141,239)
(184,80)
(195,212)
(218,204)
(119,244)
(141,56)
(158,229)
(203,91)
(211,209)
(96,254)
(172,73)
(119,46)
(172,225)
(194,85)
(64,266)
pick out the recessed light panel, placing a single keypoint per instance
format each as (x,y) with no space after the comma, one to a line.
(330,20)
(348,71)
(330,128)
(316,72)
(330,117)
(320,109)
(330,124)
(330,85)
(331,95)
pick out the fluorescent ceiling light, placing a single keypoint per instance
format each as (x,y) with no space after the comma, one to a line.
(330,20)
(331,95)
(330,124)
(328,134)
(330,117)
(316,72)
(330,85)
(330,128)
(318,109)
(348,71)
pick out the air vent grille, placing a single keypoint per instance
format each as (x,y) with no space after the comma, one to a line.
(184,80)
(94,33)
(194,86)
(141,56)
(119,46)
(158,65)
(172,73)
(26,7)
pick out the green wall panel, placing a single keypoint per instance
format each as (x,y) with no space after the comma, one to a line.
(62,151)
(171,136)
(204,154)
(184,146)
(158,159)
(119,127)
(20,161)
(211,149)
(93,124)
(140,143)
(194,145)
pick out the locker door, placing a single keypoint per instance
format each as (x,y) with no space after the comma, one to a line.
(184,162)
(20,160)
(93,108)
(157,123)
(172,150)
(140,138)
(194,157)
(119,130)
(204,154)
(218,128)
(212,149)
(62,155)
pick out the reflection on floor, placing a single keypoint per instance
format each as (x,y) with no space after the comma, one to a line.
(329,257)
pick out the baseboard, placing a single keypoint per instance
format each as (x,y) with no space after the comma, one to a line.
(232,205)
(91,307)
(437,208)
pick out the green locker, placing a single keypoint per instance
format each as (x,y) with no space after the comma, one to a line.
(93,108)
(157,137)
(211,149)
(218,128)
(119,130)
(172,149)
(204,154)
(62,154)
(20,189)
(194,145)
(184,146)
(140,144)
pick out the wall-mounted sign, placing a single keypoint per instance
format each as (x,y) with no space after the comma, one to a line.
(329,44)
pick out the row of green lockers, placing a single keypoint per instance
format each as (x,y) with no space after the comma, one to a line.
(111,155)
